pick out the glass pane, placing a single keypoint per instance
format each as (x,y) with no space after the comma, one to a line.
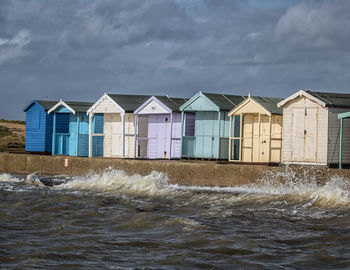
(235,149)
(235,126)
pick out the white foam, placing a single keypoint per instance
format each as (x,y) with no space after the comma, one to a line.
(117,180)
(5,177)
(305,191)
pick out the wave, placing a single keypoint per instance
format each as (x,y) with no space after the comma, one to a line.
(5,177)
(272,188)
(111,180)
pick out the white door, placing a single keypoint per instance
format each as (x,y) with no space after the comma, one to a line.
(310,134)
(298,135)
(117,142)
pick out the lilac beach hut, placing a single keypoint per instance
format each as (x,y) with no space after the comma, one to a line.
(159,128)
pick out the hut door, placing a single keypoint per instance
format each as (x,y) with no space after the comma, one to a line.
(310,134)
(163,136)
(264,138)
(298,134)
(248,139)
(251,139)
(116,131)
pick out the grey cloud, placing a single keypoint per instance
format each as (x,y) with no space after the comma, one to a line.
(317,25)
(12,48)
(81,49)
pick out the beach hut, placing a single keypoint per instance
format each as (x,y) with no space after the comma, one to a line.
(70,128)
(39,126)
(311,129)
(118,132)
(159,132)
(256,131)
(210,138)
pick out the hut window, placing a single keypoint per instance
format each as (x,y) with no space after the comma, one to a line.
(166,120)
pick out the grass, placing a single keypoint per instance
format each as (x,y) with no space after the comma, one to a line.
(4,131)
(12,135)
(13,121)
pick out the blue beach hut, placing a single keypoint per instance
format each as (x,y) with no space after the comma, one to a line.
(70,128)
(211,130)
(39,126)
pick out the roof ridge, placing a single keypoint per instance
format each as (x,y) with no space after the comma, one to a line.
(228,100)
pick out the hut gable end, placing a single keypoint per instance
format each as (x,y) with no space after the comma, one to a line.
(249,106)
(297,96)
(199,103)
(153,107)
(106,105)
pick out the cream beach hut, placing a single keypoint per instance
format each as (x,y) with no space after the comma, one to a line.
(118,132)
(311,129)
(256,131)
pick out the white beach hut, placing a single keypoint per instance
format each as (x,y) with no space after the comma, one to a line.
(118,124)
(311,129)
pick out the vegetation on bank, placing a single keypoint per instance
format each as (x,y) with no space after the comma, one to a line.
(12,135)
(13,121)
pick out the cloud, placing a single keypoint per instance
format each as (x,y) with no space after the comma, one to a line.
(316,25)
(13,48)
(81,49)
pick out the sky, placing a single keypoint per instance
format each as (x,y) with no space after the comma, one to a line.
(81,49)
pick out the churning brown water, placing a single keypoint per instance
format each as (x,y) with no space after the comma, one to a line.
(115,221)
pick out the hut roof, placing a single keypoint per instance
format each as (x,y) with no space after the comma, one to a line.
(225,102)
(339,100)
(78,106)
(46,104)
(270,104)
(129,102)
(172,103)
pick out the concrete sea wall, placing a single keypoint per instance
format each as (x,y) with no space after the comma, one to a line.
(201,173)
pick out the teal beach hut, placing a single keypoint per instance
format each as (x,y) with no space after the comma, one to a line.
(39,126)
(211,132)
(70,128)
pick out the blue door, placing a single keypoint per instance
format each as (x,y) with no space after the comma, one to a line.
(206,135)
(62,134)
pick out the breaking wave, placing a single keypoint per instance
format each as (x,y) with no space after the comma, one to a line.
(5,177)
(111,180)
(305,191)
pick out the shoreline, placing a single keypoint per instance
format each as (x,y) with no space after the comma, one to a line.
(182,172)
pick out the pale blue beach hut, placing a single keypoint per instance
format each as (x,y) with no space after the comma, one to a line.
(39,126)
(211,132)
(70,128)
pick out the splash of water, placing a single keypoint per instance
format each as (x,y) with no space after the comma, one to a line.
(5,177)
(111,180)
(273,187)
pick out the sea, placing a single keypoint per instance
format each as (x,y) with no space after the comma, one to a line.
(112,220)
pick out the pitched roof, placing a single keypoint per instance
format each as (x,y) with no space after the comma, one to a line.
(225,102)
(129,102)
(172,103)
(338,100)
(46,104)
(270,104)
(78,106)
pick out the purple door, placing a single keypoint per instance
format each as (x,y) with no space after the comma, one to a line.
(159,136)
(176,136)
